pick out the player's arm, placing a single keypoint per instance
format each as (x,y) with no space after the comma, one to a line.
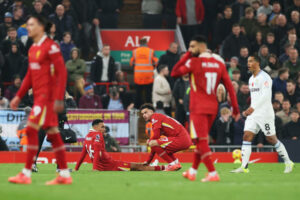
(97,151)
(183,66)
(150,158)
(228,85)
(82,157)
(26,85)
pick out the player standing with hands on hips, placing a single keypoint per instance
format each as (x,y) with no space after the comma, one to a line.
(47,76)
(260,116)
(206,71)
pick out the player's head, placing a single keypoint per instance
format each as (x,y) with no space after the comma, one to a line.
(147,111)
(98,125)
(198,45)
(253,63)
(36,25)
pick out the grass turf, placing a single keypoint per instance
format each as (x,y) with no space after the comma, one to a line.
(265,181)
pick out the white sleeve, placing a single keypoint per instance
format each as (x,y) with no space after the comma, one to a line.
(266,92)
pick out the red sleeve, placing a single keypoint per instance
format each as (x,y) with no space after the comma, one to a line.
(59,70)
(183,66)
(178,12)
(26,85)
(228,85)
(151,156)
(156,126)
(156,134)
(82,156)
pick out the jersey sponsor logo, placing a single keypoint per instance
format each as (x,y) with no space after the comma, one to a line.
(210,65)
(254,90)
(36,110)
(35,66)
(54,49)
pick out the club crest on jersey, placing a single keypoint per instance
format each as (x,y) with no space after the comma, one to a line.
(38,53)
(266,84)
(97,138)
(153,121)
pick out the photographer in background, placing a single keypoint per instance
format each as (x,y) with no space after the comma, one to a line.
(3,146)
(111,145)
(4,103)
(117,99)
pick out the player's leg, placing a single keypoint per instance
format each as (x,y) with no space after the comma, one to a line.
(142,167)
(32,134)
(59,151)
(281,150)
(41,135)
(156,146)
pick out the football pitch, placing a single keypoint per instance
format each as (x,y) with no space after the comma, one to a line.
(265,181)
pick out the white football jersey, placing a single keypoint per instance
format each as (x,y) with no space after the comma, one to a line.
(261,96)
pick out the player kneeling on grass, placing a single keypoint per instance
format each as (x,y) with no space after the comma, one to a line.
(260,116)
(94,145)
(176,137)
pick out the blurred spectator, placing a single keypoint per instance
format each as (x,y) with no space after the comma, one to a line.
(262,25)
(76,68)
(11,38)
(298,84)
(12,90)
(38,9)
(284,114)
(66,45)
(180,87)
(63,22)
(271,44)
(279,83)
(287,39)
(276,106)
(103,67)
(291,129)
(2,61)
(169,15)
(233,65)
(111,145)
(18,18)
(224,128)
(233,43)
(14,64)
(276,10)
(143,60)
(108,12)
(243,96)
(90,100)
(190,14)
(265,8)
(257,43)
(292,40)
(290,8)
(298,105)
(291,92)
(238,10)
(295,17)
(170,58)
(4,103)
(293,63)
(69,101)
(272,66)
(236,75)
(161,89)
(279,97)
(235,86)
(243,63)
(264,56)
(221,93)
(47,7)
(152,14)
(69,10)
(223,27)
(19,4)
(117,100)
(285,56)
(255,5)
(4,7)
(247,23)
(160,108)
(8,18)
(52,34)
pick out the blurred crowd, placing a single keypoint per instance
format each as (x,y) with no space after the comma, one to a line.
(235,29)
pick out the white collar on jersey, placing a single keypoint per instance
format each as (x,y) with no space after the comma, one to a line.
(41,41)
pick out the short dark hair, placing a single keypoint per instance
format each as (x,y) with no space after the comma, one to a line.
(200,39)
(11,29)
(96,122)
(282,71)
(270,34)
(286,100)
(161,67)
(43,21)
(256,58)
(294,110)
(291,81)
(148,106)
(143,41)
(236,25)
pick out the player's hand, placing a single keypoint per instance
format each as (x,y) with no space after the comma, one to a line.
(58,106)
(15,103)
(248,112)
(236,117)
(260,145)
(179,20)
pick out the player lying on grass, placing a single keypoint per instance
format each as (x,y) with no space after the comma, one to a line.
(94,146)
(260,116)
(176,137)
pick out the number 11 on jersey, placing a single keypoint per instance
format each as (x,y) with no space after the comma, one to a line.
(211,79)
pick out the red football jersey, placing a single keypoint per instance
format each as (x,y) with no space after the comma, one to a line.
(46,73)
(165,125)
(94,146)
(206,72)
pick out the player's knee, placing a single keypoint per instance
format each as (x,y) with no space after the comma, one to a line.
(272,139)
(248,137)
(52,130)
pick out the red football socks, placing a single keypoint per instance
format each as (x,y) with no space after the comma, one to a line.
(162,153)
(32,147)
(197,160)
(206,155)
(58,149)
(159,168)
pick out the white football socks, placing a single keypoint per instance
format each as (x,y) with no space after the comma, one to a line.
(192,171)
(246,152)
(280,148)
(64,173)
(27,172)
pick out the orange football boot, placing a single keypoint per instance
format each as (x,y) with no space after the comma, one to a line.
(59,180)
(20,179)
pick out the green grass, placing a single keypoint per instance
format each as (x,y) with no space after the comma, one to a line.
(265,181)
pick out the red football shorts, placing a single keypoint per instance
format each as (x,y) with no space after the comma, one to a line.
(175,144)
(43,115)
(200,125)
